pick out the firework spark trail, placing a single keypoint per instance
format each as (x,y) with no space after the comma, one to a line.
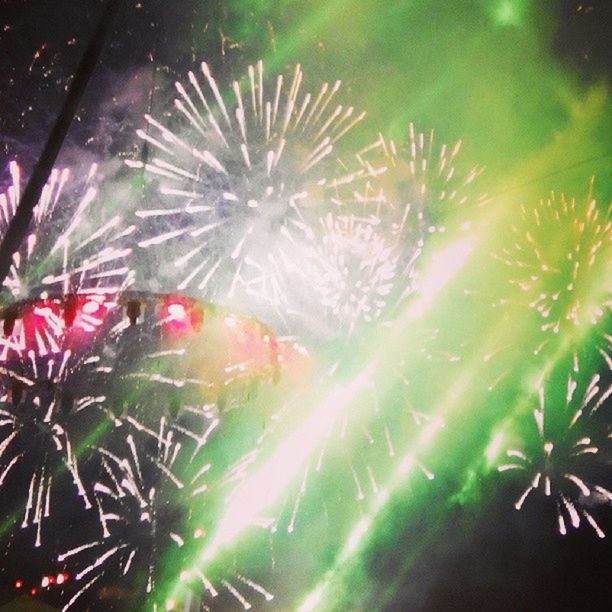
(144,504)
(565,282)
(79,259)
(138,508)
(565,459)
(38,444)
(357,451)
(422,181)
(241,177)
(240,588)
(355,270)
(48,373)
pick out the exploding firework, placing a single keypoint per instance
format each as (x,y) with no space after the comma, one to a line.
(52,368)
(568,459)
(422,184)
(153,508)
(237,179)
(368,262)
(140,511)
(355,269)
(39,419)
(70,366)
(81,258)
(565,281)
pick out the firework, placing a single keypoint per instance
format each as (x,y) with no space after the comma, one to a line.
(39,419)
(355,269)
(369,262)
(81,258)
(237,180)
(70,366)
(421,183)
(153,507)
(565,282)
(568,457)
(52,368)
(224,593)
(139,510)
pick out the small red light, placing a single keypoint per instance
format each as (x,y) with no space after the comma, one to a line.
(178,315)
(61,578)
(33,591)
(18,583)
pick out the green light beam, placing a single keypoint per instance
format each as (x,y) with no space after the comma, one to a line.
(268,483)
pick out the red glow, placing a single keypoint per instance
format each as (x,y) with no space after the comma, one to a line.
(46,324)
(180,315)
(18,583)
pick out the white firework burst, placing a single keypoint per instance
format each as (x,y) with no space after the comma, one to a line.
(420,181)
(47,409)
(142,510)
(559,259)
(570,454)
(354,269)
(237,179)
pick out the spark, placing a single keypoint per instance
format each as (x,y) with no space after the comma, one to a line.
(565,282)
(142,508)
(241,588)
(81,258)
(564,460)
(236,180)
(420,180)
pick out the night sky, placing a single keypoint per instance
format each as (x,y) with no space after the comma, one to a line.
(526,88)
